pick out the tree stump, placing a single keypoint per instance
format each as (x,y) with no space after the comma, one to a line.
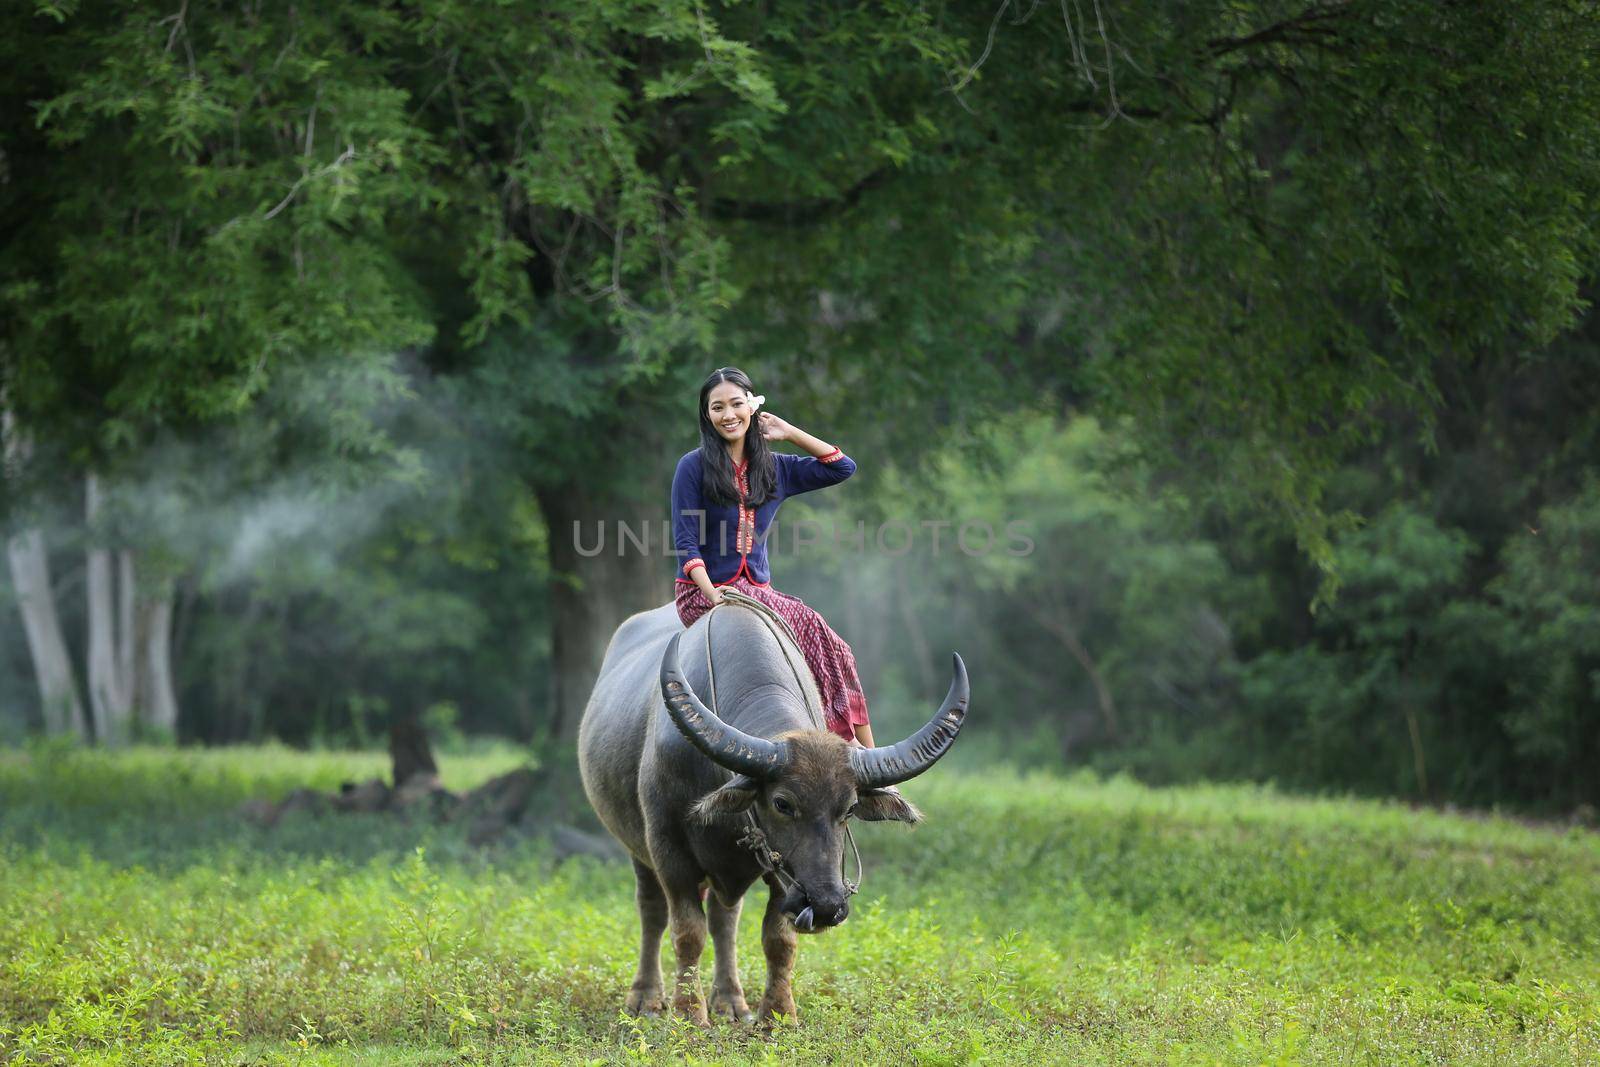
(410,754)
(545,802)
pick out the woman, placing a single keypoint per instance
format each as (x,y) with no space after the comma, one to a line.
(725,495)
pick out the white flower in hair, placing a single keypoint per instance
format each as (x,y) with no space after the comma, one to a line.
(756,402)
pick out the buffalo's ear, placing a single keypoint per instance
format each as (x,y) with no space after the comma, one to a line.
(731,799)
(884,805)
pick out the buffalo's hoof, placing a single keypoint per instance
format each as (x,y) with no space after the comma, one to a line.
(771,1007)
(726,1005)
(646,1002)
(692,1008)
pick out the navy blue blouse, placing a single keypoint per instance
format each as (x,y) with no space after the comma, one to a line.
(729,540)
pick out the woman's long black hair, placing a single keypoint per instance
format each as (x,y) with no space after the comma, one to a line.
(761,472)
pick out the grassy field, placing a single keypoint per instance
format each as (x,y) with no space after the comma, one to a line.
(1032,919)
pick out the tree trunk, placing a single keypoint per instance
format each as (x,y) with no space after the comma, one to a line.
(60,705)
(158,702)
(110,698)
(59,701)
(410,755)
(127,631)
(595,589)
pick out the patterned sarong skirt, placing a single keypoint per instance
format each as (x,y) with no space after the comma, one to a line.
(830,659)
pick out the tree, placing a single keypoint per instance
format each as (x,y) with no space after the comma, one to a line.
(1251,226)
(206,200)
(1247,247)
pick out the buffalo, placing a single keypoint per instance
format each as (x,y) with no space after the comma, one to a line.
(717,797)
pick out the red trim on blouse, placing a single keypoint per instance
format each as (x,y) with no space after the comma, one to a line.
(832,457)
(688,568)
(730,581)
(745,538)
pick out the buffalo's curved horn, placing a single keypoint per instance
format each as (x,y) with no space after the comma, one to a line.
(892,764)
(724,744)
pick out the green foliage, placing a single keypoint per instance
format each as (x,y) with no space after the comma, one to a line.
(1447,673)
(1053,557)
(1039,918)
(1551,606)
(1252,225)
(1122,624)
(1355,702)
(208,199)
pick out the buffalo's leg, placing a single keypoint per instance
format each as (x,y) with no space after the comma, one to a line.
(647,997)
(727,997)
(779,942)
(688,922)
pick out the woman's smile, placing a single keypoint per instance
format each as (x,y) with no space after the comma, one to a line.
(729,409)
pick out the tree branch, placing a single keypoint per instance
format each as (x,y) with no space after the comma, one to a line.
(1304,25)
(799,211)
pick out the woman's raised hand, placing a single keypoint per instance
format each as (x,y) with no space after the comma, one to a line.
(772,427)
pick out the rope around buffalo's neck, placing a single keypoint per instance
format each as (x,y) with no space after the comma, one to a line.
(755,838)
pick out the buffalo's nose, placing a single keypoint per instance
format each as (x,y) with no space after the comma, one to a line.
(831,913)
(793,902)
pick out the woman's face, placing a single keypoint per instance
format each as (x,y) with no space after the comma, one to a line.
(728,408)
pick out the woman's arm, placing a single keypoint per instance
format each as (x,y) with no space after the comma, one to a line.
(815,445)
(776,429)
(712,593)
(688,526)
(827,464)
(688,519)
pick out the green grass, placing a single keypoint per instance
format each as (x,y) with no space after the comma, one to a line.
(1033,919)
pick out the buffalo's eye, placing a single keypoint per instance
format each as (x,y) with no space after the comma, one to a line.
(782,807)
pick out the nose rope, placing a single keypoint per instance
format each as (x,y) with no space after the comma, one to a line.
(754,837)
